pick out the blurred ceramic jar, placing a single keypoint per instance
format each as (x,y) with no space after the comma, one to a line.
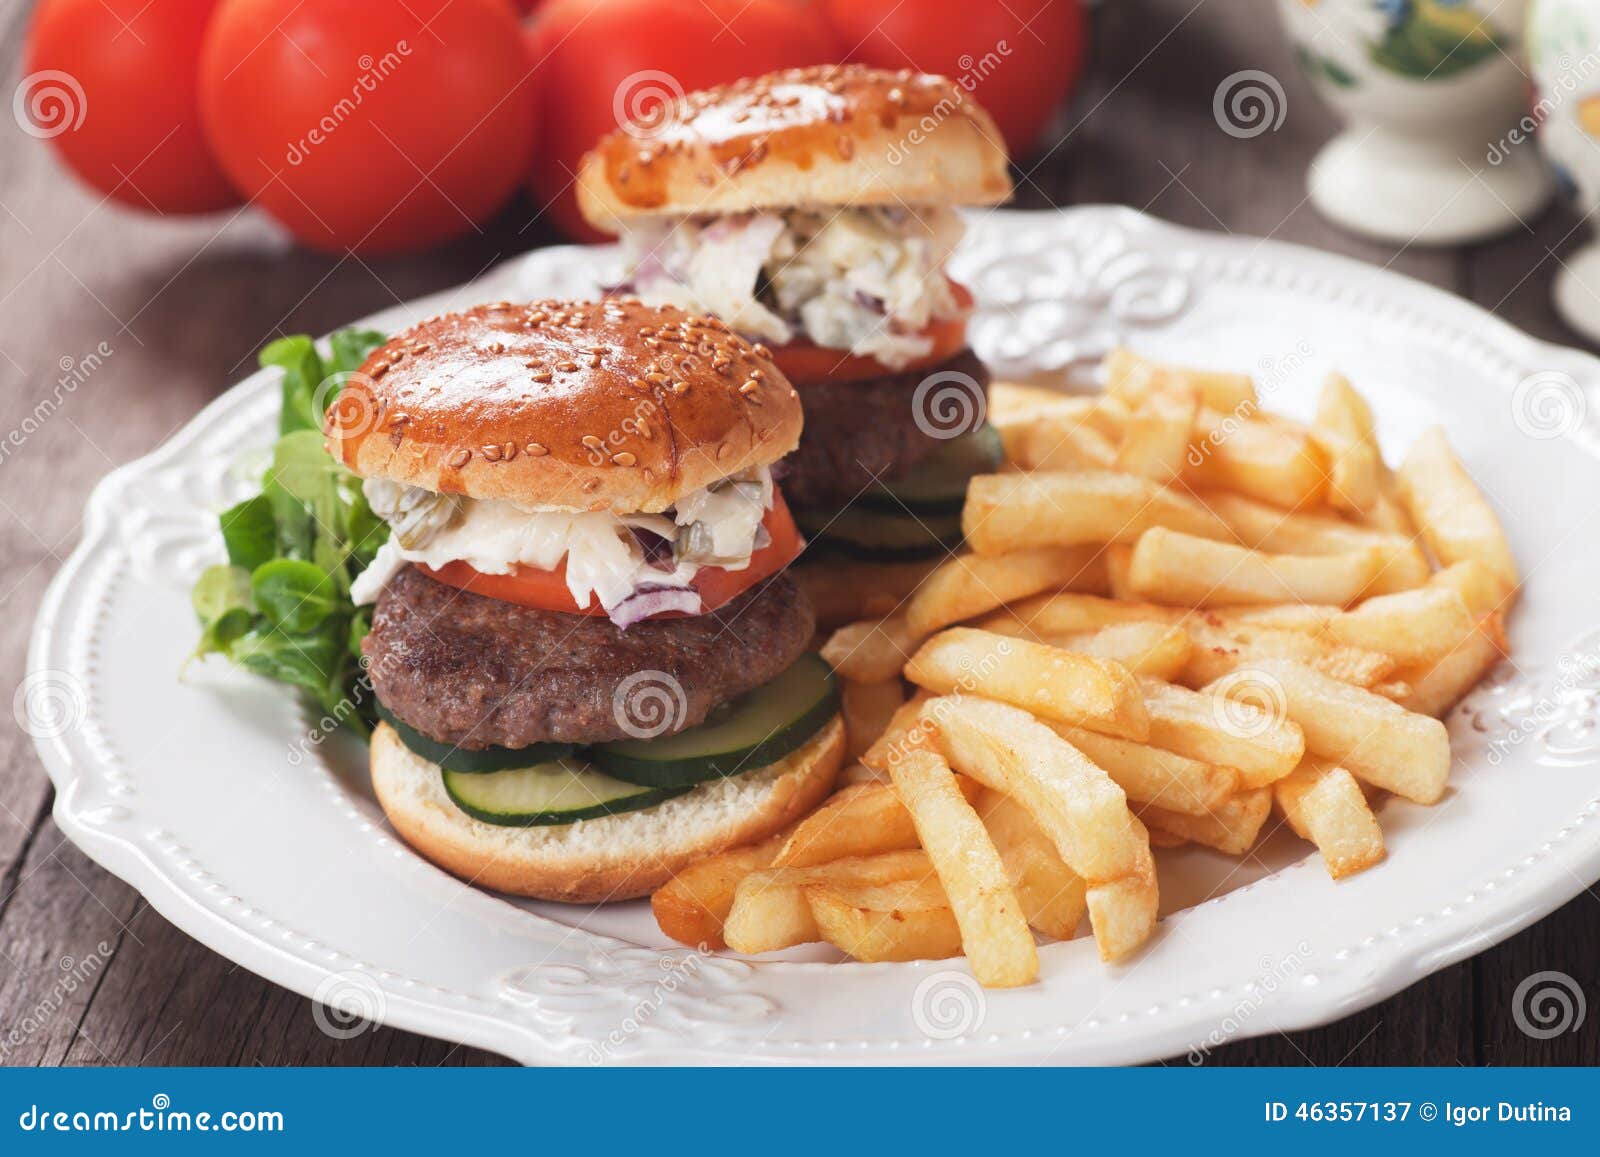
(1564,48)
(1429,90)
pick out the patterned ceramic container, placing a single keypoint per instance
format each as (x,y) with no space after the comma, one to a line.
(1429,89)
(1564,50)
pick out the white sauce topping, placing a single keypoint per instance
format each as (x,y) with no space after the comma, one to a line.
(604,559)
(866,280)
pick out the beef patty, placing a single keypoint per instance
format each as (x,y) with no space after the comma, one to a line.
(858,431)
(478,672)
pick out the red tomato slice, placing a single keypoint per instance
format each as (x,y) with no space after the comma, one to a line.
(804,362)
(547,589)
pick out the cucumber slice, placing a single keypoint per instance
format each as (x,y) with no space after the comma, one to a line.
(478,762)
(882,535)
(753,731)
(556,792)
(938,484)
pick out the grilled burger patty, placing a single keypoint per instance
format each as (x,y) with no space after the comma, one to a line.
(479,672)
(856,432)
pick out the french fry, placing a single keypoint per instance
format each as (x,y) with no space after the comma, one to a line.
(1450,510)
(1231,827)
(1264,527)
(1265,460)
(1433,688)
(693,905)
(1476,584)
(1411,626)
(858,773)
(1011,512)
(1152,775)
(1222,643)
(908,731)
(1345,427)
(1118,558)
(1049,681)
(1155,439)
(1132,379)
(1018,405)
(861,820)
(872,650)
(1380,741)
(1153,649)
(1122,912)
(769,905)
(867,709)
(970,585)
(1354,479)
(1342,409)
(1168,566)
(1051,894)
(1056,442)
(1082,810)
(1069,613)
(994,932)
(901,933)
(1160,839)
(1205,725)
(1325,805)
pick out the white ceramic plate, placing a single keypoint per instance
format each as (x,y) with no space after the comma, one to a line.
(210,796)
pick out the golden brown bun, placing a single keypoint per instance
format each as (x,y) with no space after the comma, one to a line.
(615,857)
(610,405)
(830,135)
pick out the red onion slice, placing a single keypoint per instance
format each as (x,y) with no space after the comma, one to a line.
(647,601)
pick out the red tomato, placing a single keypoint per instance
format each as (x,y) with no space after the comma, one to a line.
(369,127)
(111,83)
(547,589)
(601,61)
(804,362)
(1019,59)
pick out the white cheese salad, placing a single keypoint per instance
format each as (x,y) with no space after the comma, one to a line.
(634,565)
(867,280)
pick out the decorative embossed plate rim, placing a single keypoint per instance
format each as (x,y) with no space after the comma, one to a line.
(207,796)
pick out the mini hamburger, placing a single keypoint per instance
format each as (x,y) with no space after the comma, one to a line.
(588,661)
(814,212)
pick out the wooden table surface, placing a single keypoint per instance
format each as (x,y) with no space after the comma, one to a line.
(184,305)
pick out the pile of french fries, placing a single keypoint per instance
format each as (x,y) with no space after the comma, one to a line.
(1178,620)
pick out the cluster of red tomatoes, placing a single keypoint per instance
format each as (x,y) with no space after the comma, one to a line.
(375,126)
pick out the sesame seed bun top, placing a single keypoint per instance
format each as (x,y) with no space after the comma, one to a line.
(611,405)
(824,136)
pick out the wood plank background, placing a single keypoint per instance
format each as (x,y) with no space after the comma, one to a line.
(184,304)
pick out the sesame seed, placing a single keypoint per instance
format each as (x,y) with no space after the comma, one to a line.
(623,459)
(379,370)
(566,367)
(537,449)
(491,453)
(460,458)
(592,442)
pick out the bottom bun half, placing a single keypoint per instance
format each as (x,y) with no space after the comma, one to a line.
(617,857)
